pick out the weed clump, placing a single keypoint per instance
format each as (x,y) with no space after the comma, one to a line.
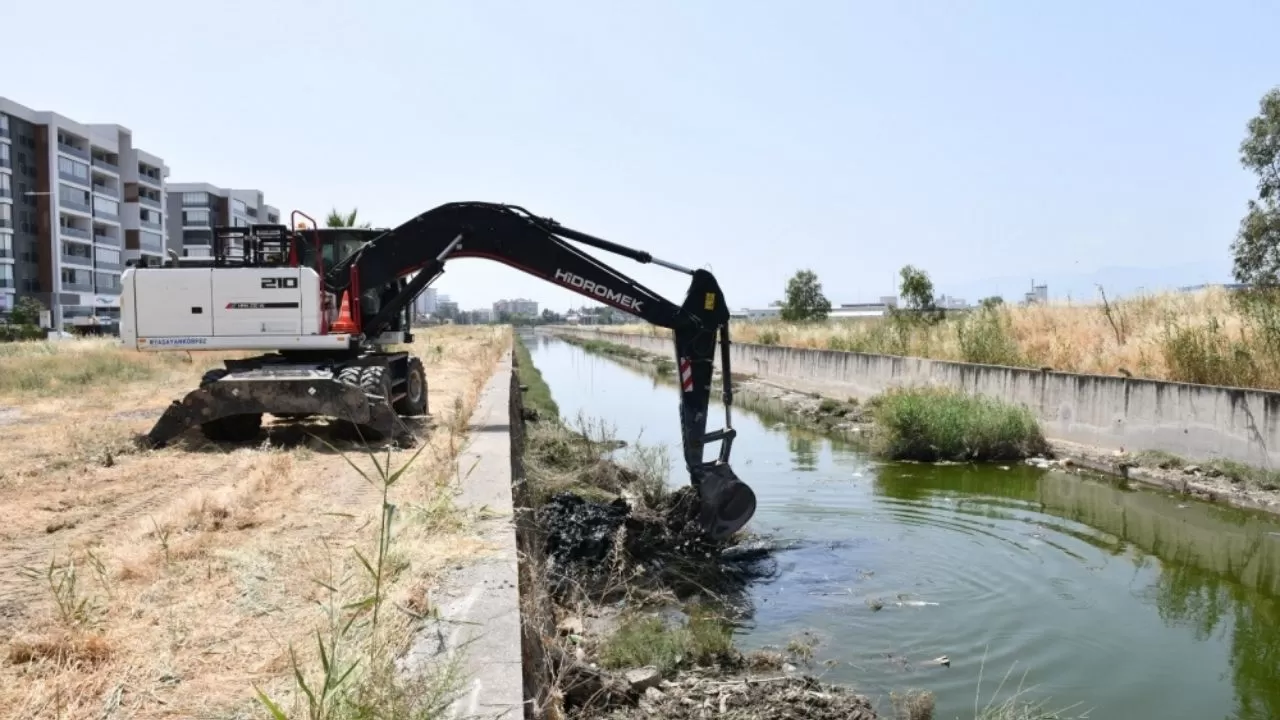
(931,424)
(702,639)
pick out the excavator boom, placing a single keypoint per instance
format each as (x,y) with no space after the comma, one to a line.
(376,284)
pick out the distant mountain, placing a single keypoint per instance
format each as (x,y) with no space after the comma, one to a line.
(1116,281)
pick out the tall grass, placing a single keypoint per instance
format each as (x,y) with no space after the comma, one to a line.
(931,424)
(44,368)
(1213,336)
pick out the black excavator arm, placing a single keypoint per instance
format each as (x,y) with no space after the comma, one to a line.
(538,246)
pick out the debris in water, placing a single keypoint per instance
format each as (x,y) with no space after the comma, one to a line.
(601,549)
(785,697)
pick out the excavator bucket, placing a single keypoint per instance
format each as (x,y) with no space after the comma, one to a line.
(727,503)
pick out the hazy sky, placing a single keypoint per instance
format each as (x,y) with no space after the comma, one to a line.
(976,140)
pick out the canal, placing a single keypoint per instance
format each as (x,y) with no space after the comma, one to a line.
(1122,603)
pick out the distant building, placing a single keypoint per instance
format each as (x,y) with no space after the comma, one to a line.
(1039,294)
(195,208)
(425,304)
(482,315)
(519,306)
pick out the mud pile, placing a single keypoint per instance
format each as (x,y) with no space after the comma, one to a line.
(770,698)
(600,551)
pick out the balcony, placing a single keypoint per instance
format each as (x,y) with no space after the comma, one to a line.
(188,223)
(4,131)
(68,177)
(5,162)
(153,181)
(108,190)
(77,287)
(106,164)
(6,192)
(102,239)
(149,202)
(106,214)
(103,265)
(73,232)
(108,290)
(151,224)
(77,260)
(6,253)
(73,151)
(66,204)
(6,283)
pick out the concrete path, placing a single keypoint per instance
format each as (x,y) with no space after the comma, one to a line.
(479,604)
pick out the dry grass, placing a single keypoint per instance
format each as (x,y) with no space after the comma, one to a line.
(1203,337)
(171,583)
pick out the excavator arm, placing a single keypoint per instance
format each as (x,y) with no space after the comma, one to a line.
(539,246)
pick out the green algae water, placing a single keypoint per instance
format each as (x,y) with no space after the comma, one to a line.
(1117,603)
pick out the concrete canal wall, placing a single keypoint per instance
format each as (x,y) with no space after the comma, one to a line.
(1194,421)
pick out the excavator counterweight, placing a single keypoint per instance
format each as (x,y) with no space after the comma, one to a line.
(327,306)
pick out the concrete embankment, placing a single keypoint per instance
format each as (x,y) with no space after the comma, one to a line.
(1115,413)
(479,603)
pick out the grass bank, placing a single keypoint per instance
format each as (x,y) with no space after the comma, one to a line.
(1212,337)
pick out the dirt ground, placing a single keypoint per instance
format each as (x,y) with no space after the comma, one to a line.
(170,583)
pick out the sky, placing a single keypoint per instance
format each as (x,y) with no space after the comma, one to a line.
(988,143)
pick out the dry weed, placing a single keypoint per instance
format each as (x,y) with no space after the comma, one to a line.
(201,565)
(1188,337)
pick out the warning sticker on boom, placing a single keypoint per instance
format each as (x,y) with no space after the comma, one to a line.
(710,302)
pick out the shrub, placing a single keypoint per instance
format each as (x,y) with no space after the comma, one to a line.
(931,424)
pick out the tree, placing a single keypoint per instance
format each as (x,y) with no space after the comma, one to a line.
(339,220)
(991,303)
(916,289)
(804,299)
(26,311)
(1256,249)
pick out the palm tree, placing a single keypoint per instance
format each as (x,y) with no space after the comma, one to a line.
(339,220)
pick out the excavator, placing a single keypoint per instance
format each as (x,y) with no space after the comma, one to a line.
(330,309)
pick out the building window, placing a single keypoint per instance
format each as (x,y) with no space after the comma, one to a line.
(195,217)
(149,216)
(73,168)
(239,206)
(6,184)
(74,276)
(6,215)
(195,198)
(73,196)
(108,255)
(106,207)
(76,250)
(6,245)
(4,153)
(6,276)
(4,124)
(197,237)
(150,240)
(107,281)
(239,222)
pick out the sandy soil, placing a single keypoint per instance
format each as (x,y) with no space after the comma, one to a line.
(170,583)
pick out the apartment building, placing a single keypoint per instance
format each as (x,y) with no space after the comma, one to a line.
(196,208)
(76,201)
